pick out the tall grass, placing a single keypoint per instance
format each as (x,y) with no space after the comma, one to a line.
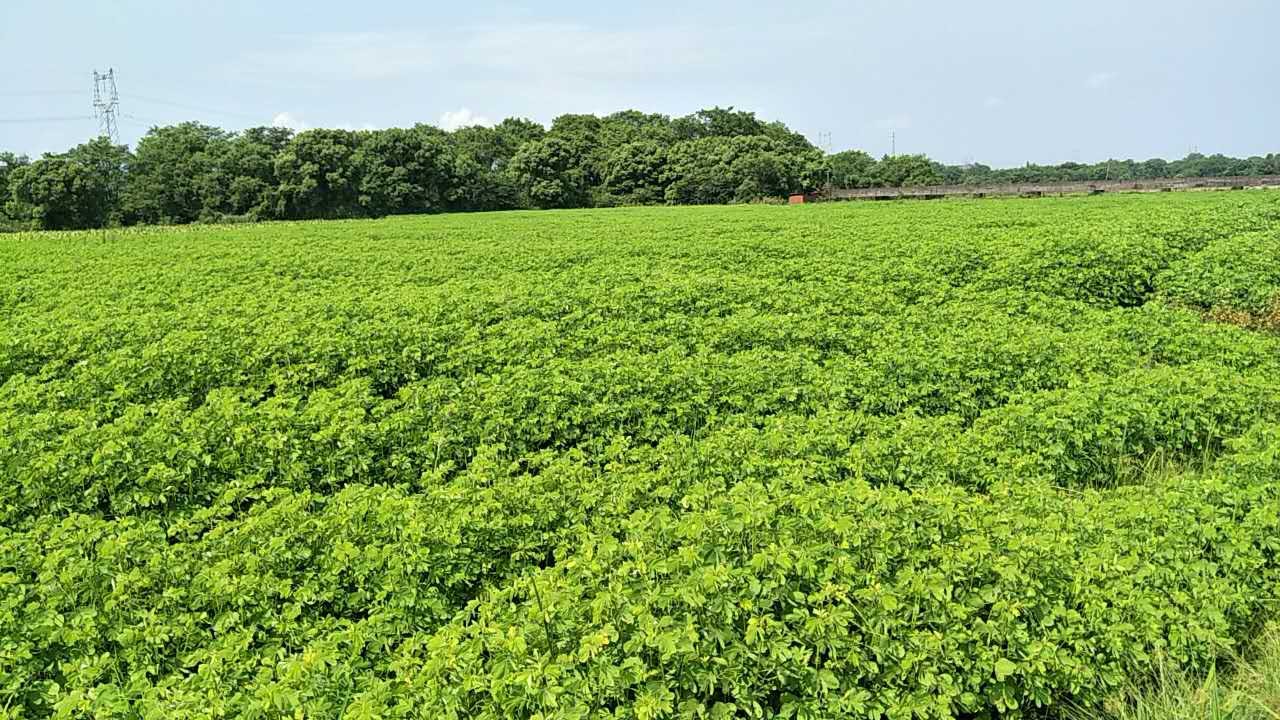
(1249,690)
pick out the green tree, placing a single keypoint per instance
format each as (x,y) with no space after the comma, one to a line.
(851,169)
(634,173)
(979,174)
(583,138)
(717,122)
(630,126)
(319,176)
(481,156)
(738,169)
(404,171)
(1196,165)
(563,169)
(493,147)
(787,138)
(483,186)
(176,173)
(78,189)
(1154,168)
(550,172)
(9,209)
(905,170)
(250,187)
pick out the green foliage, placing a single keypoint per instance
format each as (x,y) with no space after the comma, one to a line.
(905,171)
(1120,271)
(1241,272)
(10,210)
(719,170)
(852,169)
(632,126)
(1194,165)
(404,171)
(78,189)
(634,173)
(1247,687)
(175,173)
(717,122)
(481,180)
(957,460)
(551,174)
(318,175)
(246,184)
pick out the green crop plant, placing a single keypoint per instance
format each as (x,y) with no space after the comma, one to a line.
(909,460)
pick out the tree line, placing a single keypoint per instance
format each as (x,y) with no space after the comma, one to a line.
(857,169)
(193,172)
(197,173)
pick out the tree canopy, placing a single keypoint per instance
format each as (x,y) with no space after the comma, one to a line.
(81,188)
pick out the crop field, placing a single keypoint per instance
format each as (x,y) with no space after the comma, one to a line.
(906,460)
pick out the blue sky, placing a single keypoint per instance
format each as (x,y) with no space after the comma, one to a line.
(996,82)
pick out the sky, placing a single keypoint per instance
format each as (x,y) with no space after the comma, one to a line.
(998,82)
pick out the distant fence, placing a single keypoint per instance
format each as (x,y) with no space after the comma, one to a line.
(1053,188)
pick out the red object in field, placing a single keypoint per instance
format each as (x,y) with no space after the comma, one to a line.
(797,200)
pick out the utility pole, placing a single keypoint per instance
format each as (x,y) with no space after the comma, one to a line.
(893,143)
(106,104)
(824,141)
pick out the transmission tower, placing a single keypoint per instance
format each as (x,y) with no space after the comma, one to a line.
(106,104)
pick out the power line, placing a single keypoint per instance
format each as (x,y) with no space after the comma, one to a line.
(185,106)
(106,106)
(58,118)
(140,120)
(40,93)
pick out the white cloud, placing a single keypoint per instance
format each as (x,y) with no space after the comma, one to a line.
(289,120)
(462,117)
(993,102)
(1100,79)
(297,124)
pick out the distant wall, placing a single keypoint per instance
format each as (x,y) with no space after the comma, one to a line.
(1055,188)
